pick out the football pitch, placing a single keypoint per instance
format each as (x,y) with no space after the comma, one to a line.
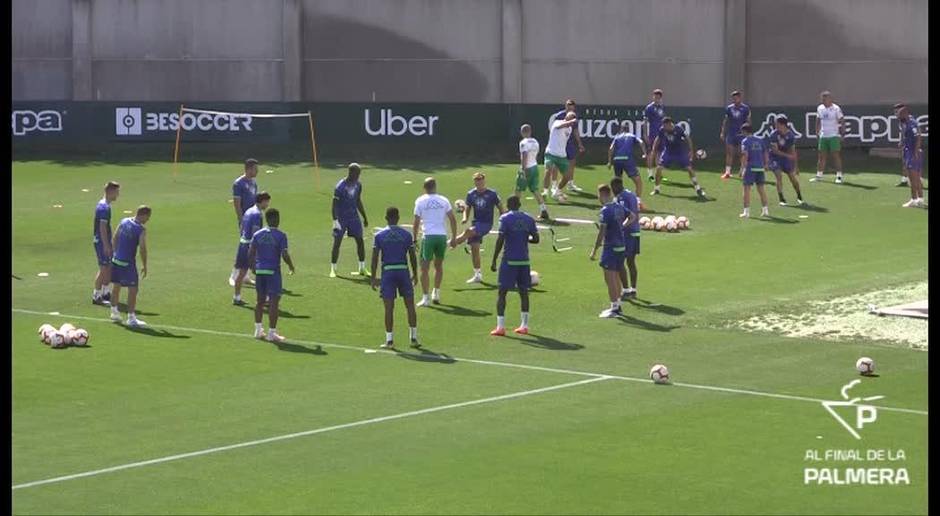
(192,415)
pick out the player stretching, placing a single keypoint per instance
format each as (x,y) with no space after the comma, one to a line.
(903,181)
(393,243)
(102,292)
(612,220)
(267,247)
(620,155)
(736,114)
(481,200)
(653,116)
(783,158)
(252,221)
(912,155)
(430,211)
(130,233)
(829,129)
(672,154)
(528,178)
(347,205)
(555,160)
(631,236)
(754,157)
(573,147)
(516,230)
(244,191)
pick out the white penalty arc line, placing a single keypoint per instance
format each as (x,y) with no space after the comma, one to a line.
(285,437)
(729,390)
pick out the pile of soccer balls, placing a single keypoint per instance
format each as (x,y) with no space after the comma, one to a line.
(66,335)
(670,223)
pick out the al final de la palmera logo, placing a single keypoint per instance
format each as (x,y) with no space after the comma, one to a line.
(854,466)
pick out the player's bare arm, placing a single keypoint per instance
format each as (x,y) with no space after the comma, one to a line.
(413,259)
(375,267)
(453,225)
(500,207)
(724,123)
(103,230)
(499,248)
(362,211)
(610,155)
(237,203)
(143,254)
(415,226)
(631,218)
(597,242)
(288,261)
(252,252)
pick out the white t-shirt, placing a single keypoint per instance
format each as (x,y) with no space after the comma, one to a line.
(829,120)
(558,139)
(530,146)
(433,209)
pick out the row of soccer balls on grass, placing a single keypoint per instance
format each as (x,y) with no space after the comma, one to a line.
(669,223)
(66,335)
(660,374)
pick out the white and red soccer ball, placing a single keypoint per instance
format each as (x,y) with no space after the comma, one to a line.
(865,366)
(659,374)
(64,336)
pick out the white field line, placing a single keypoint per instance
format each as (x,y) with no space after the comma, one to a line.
(285,437)
(730,390)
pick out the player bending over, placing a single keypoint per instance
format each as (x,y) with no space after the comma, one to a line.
(267,247)
(528,178)
(430,211)
(612,220)
(393,243)
(347,205)
(102,292)
(252,221)
(736,114)
(783,158)
(555,160)
(244,192)
(830,128)
(516,230)
(620,156)
(129,235)
(675,150)
(912,155)
(481,200)
(631,236)
(754,157)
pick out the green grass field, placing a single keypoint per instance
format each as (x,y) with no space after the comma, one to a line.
(563,421)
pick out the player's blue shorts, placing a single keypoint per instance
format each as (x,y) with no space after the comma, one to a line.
(481,229)
(674,161)
(753,176)
(103,259)
(123,273)
(571,149)
(912,160)
(349,227)
(649,140)
(268,285)
(514,276)
(241,257)
(396,282)
(624,165)
(781,164)
(632,244)
(612,258)
(734,139)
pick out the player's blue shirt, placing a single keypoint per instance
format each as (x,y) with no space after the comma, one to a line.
(483,204)
(672,142)
(784,143)
(909,132)
(612,214)
(347,197)
(654,114)
(102,212)
(245,189)
(516,227)
(129,231)
(251,223)
(628,200)
(269,244)
(754,147)
(623,146)
(737,116)
(394,242)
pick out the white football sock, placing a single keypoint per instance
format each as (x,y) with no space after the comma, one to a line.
(819,173)
(106,289)
(388,336)
(333,267)
(237,297)
(727,169)
(272,331)
(614,305)
(524,316)
(624,290)
(96,293)
(500,321)
(413,332)
(362,265)
(542,207)
(259,327)
(476,272)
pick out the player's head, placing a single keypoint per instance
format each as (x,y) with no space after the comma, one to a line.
(143,214)
(353,171)
(736,97)
(604,193)
(272,217)
(513,203)
(897,107)
(111,190)
(391,215)
(668,124)
(479,180)
(624,126)
(903,111)
(746,129)
(263,200)
(657,95)
(782,123)
(570,105)
(826,97)
(251,167)
(430,185)
(570,116)
(525,130)
(616,185)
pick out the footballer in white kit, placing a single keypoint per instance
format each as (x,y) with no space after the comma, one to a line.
(829,131)
(528,177)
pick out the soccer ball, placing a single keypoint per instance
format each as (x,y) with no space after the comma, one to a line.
(44,332)
(669,218)
(460,206)
(658,223)
(687,224)
(671,226)
(701,154)
(534,276)
(57,340)
(865,366)
(66,330)
(79,337)
(645,222)
(659,374)
(682,222)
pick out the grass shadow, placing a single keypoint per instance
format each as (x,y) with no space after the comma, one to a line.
(122,307)
(810,207)
(297,348)
(856,185)
(355,279)
(290,294)
(552,222)
(776,220)
(578,204)
(153,332)
(543,342)
(459,311)
(658,307)
(645,325)
(16,277)
(486,287)
(425,355)
(280,313)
